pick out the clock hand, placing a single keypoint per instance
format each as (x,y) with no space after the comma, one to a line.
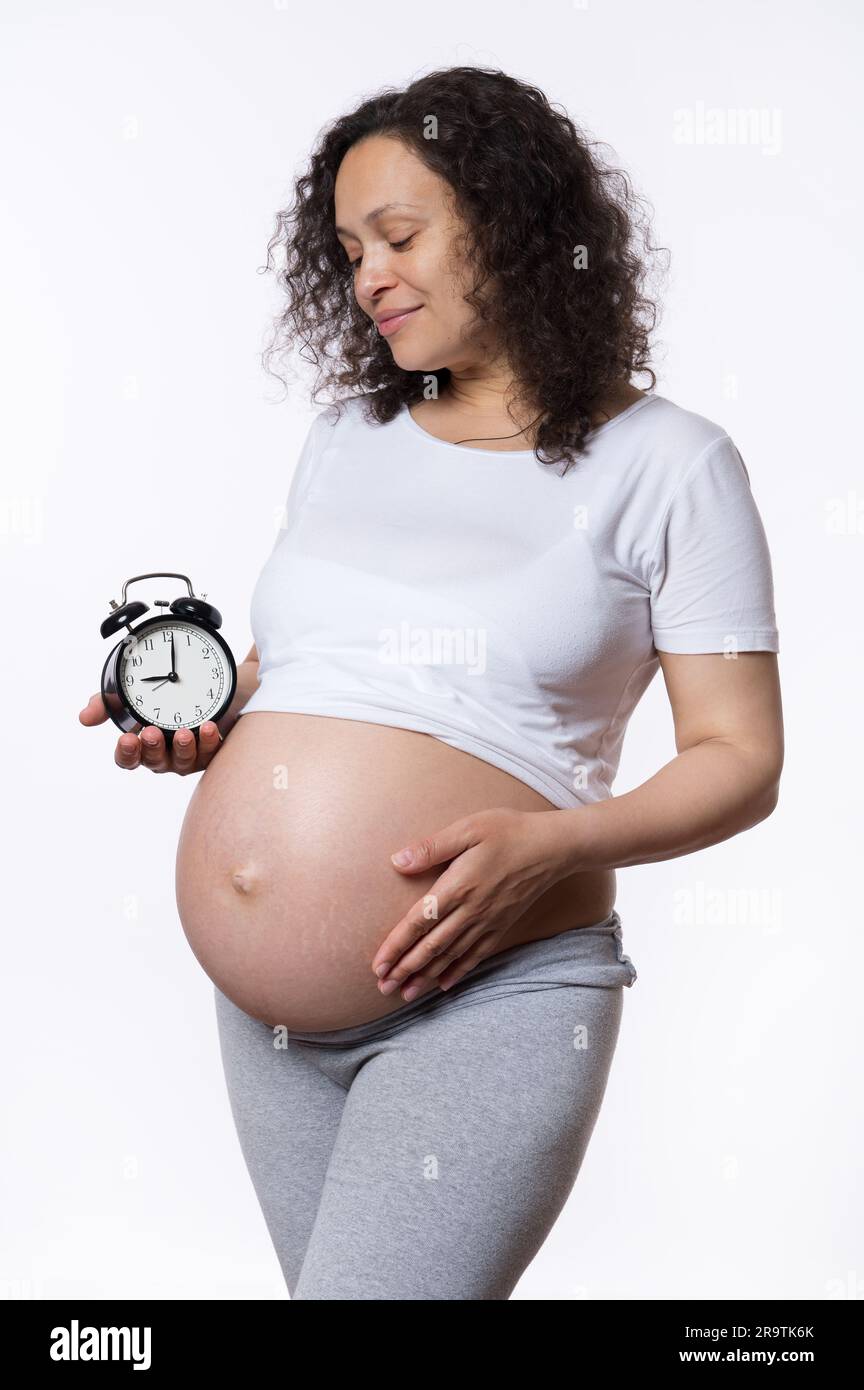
(164,679)
(172,654)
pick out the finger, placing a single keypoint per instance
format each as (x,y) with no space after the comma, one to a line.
(184,751)
(416,986)
(436,849)
(452,963)
(483,947)
(153,752)
(446,893)
(438,944)
(439,967)
(128,751)
(209,742)
(94,712)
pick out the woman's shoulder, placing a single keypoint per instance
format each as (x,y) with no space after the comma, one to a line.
(677,443)
(677,429)
(344,412)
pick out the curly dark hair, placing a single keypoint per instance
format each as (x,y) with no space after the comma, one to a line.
(530,191)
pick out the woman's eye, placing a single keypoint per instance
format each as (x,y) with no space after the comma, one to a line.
(395,245)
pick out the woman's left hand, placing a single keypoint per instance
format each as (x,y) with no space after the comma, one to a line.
(502,861)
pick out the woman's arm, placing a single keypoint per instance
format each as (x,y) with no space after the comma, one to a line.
(247,684)
(729,735)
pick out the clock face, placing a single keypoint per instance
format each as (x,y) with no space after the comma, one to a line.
(201,674)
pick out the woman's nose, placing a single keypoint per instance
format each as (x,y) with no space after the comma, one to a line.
(373,279)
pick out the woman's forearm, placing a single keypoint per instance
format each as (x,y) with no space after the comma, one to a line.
(706,794)
(247,684)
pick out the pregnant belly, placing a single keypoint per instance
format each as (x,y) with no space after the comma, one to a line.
(284,883)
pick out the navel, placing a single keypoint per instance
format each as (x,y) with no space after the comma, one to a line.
(244,880)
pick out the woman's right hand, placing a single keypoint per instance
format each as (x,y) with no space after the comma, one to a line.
(146,747)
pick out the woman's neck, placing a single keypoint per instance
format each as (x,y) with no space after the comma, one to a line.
(477,409)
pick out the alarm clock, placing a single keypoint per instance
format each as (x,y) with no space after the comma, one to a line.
(173,671)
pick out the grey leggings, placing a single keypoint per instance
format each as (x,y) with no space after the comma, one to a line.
(427,1154)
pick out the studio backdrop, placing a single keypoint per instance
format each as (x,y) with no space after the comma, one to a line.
(147,151)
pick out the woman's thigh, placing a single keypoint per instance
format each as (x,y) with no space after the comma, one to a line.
(460,1141)
(287,1115)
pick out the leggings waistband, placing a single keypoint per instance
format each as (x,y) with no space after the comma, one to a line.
(591,956)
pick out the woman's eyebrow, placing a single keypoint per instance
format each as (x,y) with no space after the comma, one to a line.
(377,212)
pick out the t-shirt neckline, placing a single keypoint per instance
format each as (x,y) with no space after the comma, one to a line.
(406,416)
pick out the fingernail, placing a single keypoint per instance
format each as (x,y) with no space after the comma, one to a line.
(410,992)
(403,857)
(382,968)
(388,986)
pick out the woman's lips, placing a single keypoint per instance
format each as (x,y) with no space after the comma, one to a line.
(388,326)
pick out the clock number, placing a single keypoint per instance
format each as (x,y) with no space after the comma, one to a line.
(147,644)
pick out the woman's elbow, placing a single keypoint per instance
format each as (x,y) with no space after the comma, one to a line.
(769,797)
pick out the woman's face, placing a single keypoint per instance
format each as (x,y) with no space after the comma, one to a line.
(395,220)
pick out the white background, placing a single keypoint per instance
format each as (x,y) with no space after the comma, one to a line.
(147,148)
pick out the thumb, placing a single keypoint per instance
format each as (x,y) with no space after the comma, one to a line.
(434,849)
(94,712)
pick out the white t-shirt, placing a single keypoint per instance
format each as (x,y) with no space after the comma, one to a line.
(500,604)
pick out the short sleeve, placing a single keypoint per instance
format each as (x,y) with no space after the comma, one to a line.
(302,477)
(711,579)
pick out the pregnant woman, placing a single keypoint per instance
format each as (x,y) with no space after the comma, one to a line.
(398,868)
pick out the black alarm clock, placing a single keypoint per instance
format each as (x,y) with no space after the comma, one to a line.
(173,671)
